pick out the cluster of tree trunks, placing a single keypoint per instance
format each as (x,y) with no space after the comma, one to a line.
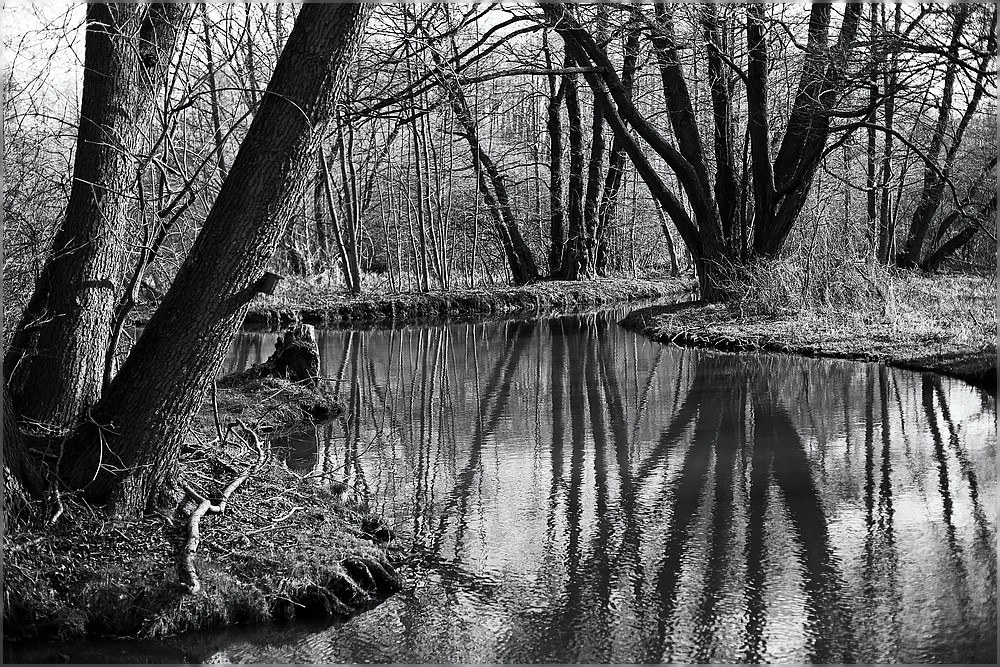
(719,231)
(122,444)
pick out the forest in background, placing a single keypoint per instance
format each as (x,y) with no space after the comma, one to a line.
(468,149)
(820,148)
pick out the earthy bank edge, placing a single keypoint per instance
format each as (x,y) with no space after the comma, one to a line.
(329,306)
(288,546)
(721,326)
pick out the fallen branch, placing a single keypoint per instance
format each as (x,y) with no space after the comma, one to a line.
(189,573)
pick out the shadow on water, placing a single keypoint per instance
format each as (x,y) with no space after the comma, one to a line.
(569,492)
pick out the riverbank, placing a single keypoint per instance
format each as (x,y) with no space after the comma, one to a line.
(287,545)
(927,324)
(301,300)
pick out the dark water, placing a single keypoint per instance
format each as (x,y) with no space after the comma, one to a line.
(571,492)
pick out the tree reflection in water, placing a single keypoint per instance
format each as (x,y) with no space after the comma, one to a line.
(571,492)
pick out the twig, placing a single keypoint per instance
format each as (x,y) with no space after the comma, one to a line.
(215,411)
(59,507)
(274,523)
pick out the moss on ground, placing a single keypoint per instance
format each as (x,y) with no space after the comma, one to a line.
(287,546)
(946,326)
(301,300)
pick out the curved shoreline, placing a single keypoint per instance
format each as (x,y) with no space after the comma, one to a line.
(718,326)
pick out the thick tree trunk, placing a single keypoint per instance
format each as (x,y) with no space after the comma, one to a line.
(822,80)
(572,260)
(758,128)
(56,360)
(617,160)
(127,453)
(587,242)
(722,116)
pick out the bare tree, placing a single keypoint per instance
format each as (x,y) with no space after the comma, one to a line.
(125,452)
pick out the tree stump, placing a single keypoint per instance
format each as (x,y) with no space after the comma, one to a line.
(296,356)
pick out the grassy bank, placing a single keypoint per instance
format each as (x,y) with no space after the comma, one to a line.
(945,324)
(301,299)
(287,545)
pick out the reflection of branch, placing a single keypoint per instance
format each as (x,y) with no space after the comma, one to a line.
(756,548)
(686,501)
(728,439)
(632,535)
(969,473)
(557,393)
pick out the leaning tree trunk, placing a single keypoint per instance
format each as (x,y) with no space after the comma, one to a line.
(824,77)
(617,160)
(126,454)
(937,178)
(56,359)
(491,183)
(934,184)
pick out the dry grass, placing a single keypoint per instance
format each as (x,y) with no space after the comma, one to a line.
(942,323)
(792,285)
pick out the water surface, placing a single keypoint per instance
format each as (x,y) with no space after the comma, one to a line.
(571,492)
(567,491)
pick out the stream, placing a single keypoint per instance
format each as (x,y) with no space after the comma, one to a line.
(568,491)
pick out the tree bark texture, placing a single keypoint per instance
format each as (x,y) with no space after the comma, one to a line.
(56,359)
(572,259)
(721,84)
(126,454)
